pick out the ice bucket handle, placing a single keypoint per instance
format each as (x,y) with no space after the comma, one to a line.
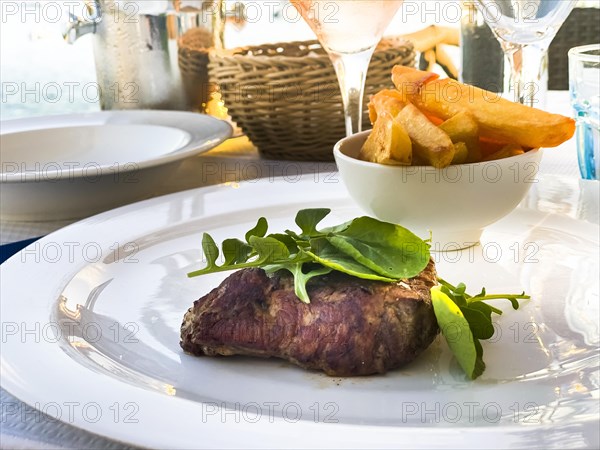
(78,26)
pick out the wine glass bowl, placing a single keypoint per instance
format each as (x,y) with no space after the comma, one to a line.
(525,29)
(349,31)
(525,22)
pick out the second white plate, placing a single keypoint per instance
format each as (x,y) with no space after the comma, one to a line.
(64,167)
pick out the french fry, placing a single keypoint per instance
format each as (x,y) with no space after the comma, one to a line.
(464,128)
(498,119)
(461,153)
(506,152)
(418,161)
(401,146)
(428,59)
(435,120)
(431,36)
(385,101)
(429,142)
(445,61)
(490,146)
(409,81)
(388,143)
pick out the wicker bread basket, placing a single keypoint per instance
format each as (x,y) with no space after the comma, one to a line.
(286,98)
(194,47)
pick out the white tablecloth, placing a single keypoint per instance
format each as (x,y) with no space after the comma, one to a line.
(22,428)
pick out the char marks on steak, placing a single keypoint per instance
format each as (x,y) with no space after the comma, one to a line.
(351,327)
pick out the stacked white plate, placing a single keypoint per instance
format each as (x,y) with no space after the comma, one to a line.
(65,167)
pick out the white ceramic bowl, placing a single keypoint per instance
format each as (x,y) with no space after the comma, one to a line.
(67,167)
(455,203)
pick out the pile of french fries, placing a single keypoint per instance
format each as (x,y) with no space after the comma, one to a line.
(439,122)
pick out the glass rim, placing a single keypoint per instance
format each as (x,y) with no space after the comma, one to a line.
(581,55)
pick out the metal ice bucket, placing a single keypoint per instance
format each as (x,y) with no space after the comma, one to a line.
(137,46)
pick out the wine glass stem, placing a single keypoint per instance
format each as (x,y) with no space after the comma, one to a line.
(528,80)
(351,70)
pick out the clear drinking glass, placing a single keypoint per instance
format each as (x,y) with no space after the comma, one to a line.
(525,29)
(584,86)
(349,30)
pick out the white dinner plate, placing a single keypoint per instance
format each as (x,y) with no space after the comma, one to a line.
(64,167)
(91,317)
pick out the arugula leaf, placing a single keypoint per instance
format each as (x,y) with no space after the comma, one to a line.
(387,249)
(475,313)
(269,249)
(457,332)
(210,249)
(326,254)
(236,251)
(300,277)
(287,240)
(479,363)
(459,295)
(479,316)
(259,230)
(336,228)
(511,298)
(308,219)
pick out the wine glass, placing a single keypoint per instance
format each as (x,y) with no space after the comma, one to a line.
(525,29)
(349,30)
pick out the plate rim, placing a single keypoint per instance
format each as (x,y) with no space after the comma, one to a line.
(189,122)
(277,433)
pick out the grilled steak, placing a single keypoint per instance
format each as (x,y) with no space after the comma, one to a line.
(351,327)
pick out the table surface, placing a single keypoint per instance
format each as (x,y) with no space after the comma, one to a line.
(26,429)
